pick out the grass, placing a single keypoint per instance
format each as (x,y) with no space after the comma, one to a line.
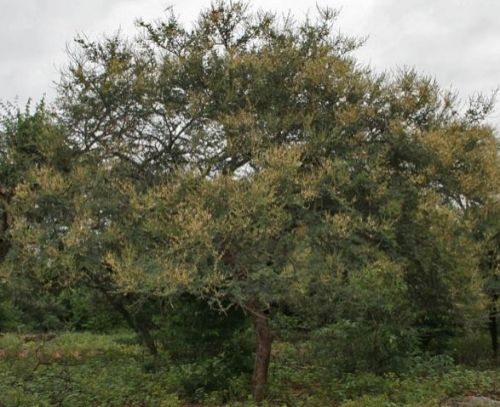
(80,369)
(84,369)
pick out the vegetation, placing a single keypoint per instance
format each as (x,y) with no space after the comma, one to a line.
(81,369)
(245,190)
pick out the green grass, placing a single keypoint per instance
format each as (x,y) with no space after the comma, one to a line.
(425,382)
(80,370)
(83,369)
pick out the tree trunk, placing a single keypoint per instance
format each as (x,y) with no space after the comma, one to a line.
(140,324)
(137,325)
(493,326)
(143,328)
(262,354)
(5,223)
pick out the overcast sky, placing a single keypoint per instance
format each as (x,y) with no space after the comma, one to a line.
(456,41)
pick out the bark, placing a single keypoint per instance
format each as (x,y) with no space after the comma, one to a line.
(493,326)
(263,353)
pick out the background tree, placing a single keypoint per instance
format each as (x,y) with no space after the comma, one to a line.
(486,231)
(30,142)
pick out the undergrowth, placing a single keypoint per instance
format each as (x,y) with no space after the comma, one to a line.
(83,369)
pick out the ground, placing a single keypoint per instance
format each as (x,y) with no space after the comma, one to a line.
(85,369)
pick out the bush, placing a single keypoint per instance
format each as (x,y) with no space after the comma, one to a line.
(373,327)
(10,317)
(471,348)
(209,349)
(350,346)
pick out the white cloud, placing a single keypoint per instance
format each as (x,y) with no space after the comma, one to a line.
(456,41)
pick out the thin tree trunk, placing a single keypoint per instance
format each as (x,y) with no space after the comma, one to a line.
(493,327)
(5,223)
(139,324)
(263,353)
(142,327)
(136,325)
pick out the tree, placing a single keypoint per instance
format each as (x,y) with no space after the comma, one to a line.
(30,142)
(179,98)
(487,233)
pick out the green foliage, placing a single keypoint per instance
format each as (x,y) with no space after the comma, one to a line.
(253,166)
(419,381)
(76,309)
(89,311)
(10,316)
(372,327)
(471,349)
(81,369)
(359,346)
(210,349)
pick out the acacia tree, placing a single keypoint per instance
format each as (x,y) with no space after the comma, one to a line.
(250,161)
(189,98)
(211,99)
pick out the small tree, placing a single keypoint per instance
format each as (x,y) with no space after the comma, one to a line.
(31,141)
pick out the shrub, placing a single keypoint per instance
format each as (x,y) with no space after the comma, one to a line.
(208,349)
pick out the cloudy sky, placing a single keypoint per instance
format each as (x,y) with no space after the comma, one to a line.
(456,41)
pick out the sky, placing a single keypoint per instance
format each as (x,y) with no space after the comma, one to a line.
(455,41)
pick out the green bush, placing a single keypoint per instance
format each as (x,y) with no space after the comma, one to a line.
(208,349)
(350,346)
(471,348)
(10,317)
(372,330)
(80,370)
